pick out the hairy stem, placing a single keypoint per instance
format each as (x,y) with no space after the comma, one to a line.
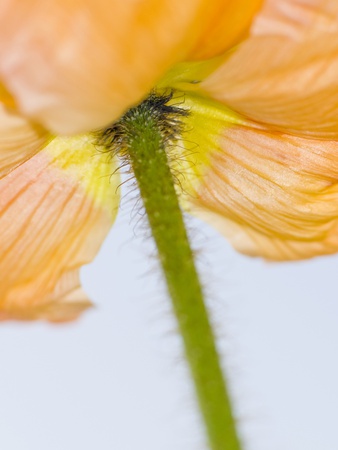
(147,140)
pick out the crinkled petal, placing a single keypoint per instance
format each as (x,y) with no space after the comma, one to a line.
(76,65)
(272,194)
(55,210)
(285,73)
(19,139)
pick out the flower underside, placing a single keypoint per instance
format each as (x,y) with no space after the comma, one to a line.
(155,108)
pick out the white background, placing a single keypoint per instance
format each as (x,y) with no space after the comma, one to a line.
(116,379)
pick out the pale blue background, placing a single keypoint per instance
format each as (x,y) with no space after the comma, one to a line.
(116,379)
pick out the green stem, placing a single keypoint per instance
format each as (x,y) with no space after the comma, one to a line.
(145,139)
(150,165)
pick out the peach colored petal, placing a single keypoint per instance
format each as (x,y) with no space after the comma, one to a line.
(19,139)
(6,98)
(230,21)
(75,65)
(273,194)
(55,210)
(285,73)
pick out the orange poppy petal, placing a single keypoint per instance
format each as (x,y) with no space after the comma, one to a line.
(76,65)
(55,210)
(19,140)
(272,194)
(285,73)
(229,22)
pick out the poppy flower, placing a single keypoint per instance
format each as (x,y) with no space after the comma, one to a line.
(261,129)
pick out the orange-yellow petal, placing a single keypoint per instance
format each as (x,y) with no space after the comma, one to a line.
(19,139)
(74,65)
(272,194)
(55,210)
(229,22)
(285,73)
